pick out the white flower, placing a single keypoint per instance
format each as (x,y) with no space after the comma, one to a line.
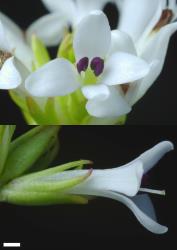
(150,29)
(97,70)
(64,13)
(13,50)
(124,184)
(12,39)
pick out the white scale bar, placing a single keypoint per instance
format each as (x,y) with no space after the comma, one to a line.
(11,244)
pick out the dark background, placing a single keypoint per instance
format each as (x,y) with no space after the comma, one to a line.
(103,223)
(157,107)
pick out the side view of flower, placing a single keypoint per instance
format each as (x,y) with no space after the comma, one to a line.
(98,75)
(56,185)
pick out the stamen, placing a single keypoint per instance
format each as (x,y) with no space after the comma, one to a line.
(3,57)
(125,88)
(165,19)
(82,65)
(97,65)
(152,191)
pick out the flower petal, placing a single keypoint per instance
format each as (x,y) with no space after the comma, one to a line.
(137,209)
(4,45)
(123,68)
(121,42)
(113,105)
(55,25)
(66,7)
(12,40)
(136,16)
(153,155)
(93,91)
(84,7)
(150,27)
(92,36)
(57,78)
(12,31)
(123,180)
(10,77)
(161,40)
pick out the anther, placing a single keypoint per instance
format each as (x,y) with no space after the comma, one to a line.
(97,65)
(165,19)
(82,65)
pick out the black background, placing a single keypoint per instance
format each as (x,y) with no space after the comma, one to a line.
(103,223)
(157,107)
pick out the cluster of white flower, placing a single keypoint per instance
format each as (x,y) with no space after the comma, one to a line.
(106,70)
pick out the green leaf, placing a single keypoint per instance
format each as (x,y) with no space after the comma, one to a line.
(25,151)
(6,133)
(47,158)
(41,55)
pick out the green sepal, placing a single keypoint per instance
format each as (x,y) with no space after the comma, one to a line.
(40,199)
(38,189)
(25,151)
(48,116)
(47,185)
(66,48)
(54,170)
(6,133)
(41,55)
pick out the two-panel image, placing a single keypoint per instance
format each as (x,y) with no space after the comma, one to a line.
(88,124)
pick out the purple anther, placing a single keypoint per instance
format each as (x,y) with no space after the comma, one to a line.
(82,65)
(97,65)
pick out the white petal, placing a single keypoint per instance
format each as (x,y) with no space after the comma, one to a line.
(13,41)
(12,31)
(136,16)
(84,7)
(66,7)
(146,221)
(55,25)
(4,45)
(24,54)
(121,42)
(153,155)
(56,78)
(93,91)
(124,68)
(123,180)
(93,36)
(112,106)
(10,77)
(149,28)
(161,40)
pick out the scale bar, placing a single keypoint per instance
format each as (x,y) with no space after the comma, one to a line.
(5,244)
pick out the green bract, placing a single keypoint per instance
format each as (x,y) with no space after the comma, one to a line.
(6,133)
(23,179)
